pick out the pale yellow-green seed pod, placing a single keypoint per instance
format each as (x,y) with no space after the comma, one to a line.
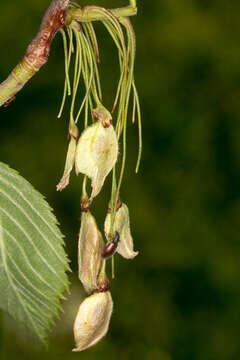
(92,320)
(96,154)
(122,225)
(70,159)
(90,247)
(68,165)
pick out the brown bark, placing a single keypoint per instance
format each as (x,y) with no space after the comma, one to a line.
(54,18)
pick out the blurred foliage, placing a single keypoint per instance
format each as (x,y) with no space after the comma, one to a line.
(179,299)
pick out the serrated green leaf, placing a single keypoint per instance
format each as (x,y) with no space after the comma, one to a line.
(33,262)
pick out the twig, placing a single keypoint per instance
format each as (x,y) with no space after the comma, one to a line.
(89,13)
(56,16)
(37,52)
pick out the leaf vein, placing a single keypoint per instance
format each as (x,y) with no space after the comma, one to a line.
(32,243)
(33,224)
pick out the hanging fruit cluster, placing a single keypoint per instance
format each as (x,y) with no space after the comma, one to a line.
(96,153)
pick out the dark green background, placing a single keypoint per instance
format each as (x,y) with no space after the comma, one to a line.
(180,298)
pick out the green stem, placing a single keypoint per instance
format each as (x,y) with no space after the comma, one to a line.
(77,72)
(22,73)
(84,188)
(1,329)
(67,56)
(113,268)
(133,4)
(92,42)
(87,75)
(89,13)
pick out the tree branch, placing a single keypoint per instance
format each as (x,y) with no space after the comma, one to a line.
(37,52)
(56,16)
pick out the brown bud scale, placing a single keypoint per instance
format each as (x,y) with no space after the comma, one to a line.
(119,205)
(54,18)
(103,287)
(85,205)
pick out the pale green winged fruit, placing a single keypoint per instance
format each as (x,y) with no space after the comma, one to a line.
(90,247)
(92,320)
(70,159)
(122,226)
(97,150)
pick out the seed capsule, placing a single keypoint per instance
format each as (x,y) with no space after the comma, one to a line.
(90,249)
(69,159)
(96,153)
(92,321)
(111,247)
(122,226)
